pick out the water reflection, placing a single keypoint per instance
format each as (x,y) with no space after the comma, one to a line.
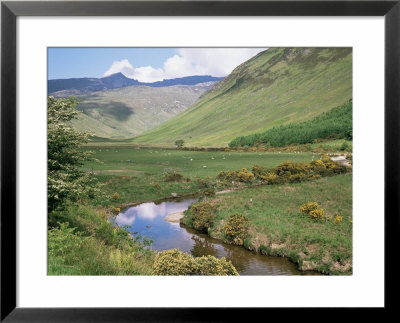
(147,219)
(202,247)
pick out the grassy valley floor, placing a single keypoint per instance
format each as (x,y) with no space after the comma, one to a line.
(277,227)
(138,175)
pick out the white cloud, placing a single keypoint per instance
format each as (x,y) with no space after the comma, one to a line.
(188,61)
(148,74)
(121,66)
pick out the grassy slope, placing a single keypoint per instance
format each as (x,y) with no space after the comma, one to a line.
(129,111)
(278,86)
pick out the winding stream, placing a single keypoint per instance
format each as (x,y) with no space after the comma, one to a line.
(147,219)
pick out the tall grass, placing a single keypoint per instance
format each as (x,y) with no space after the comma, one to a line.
(82,241)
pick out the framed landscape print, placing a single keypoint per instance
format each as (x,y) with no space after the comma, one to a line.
(227,147)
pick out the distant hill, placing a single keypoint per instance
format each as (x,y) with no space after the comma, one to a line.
(79,86)
(276,87)
(128,111)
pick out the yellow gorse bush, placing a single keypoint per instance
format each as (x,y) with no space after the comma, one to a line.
(289,172)
(314,210)
(317,214)
(203,215)
(173,262)
(245,176)
(178,263)
(308,207)
(236,228)
(209,265)
(338,219)
(231,175)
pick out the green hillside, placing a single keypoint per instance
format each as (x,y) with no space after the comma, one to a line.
(334,124)
(129,111)
(277,87)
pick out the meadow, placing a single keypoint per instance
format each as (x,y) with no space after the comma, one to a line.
(137,174)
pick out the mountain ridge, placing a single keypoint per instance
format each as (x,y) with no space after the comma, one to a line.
(85,85)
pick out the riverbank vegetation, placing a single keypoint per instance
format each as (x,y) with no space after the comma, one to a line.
(83,241)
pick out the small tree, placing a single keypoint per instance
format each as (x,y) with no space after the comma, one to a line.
(65,180)
(179,143)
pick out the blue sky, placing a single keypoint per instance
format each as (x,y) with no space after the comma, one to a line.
(145,64)
(93,62)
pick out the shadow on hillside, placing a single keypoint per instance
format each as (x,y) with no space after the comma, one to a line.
(118,110)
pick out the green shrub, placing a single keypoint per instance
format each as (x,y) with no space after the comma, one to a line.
(345,146)
(106,233)
(203,183)
(66,181)
(115,196)
(209,192)
(179,143)
(174,177)
(236,228)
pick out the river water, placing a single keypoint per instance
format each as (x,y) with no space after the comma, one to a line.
(147,219)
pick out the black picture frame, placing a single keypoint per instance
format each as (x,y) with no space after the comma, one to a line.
(10,10)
